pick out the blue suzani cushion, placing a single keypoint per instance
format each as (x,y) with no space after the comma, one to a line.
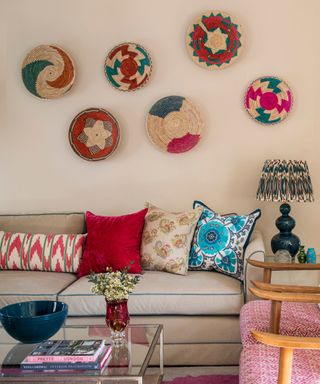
(219,241)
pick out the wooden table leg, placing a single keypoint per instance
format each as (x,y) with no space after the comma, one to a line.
(267,275)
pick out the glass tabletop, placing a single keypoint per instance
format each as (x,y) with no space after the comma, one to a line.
(130,359)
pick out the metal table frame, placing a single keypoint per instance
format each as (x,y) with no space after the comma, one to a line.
(140,378)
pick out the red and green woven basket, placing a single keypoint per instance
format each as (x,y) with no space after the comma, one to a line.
(214,40)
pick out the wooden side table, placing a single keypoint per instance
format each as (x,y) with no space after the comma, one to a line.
(268,267)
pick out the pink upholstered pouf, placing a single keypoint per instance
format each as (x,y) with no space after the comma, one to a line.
(259,365)
(297,319)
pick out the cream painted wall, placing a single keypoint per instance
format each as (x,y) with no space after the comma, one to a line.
(41,173)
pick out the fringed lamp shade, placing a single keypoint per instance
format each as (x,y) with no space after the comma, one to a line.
(285,180)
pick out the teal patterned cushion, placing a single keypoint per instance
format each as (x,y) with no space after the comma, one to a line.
(219,241)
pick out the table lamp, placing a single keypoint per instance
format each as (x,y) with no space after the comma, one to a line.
(285,181)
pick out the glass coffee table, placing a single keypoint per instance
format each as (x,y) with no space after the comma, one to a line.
(128,362)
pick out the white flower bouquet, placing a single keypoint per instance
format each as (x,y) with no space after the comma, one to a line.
(114,286)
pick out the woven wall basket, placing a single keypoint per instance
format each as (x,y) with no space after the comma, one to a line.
(94,134)
(128,67)
(214,40)
(174,124)
(268,100)
(48,72)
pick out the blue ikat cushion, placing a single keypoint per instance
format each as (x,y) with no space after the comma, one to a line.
(219,241)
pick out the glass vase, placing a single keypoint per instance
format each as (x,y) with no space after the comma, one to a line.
(302,256)
(117,319)
(311,256)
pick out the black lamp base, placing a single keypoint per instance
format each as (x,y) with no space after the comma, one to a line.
(285,239)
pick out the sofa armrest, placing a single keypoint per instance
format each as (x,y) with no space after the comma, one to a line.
(256,250)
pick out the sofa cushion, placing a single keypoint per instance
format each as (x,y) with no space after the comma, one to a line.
(260,364)
(113,242)
(17,286)
(297,319)
(161,293)
(39,252)
(54,223)
(167,239)
(219,242)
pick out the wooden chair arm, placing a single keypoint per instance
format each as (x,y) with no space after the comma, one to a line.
(285,296)
(282,341)
(285,288)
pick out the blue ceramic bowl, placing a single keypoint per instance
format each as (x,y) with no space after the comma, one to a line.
(33,321)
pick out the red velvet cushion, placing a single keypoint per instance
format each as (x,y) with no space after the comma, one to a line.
(112,241)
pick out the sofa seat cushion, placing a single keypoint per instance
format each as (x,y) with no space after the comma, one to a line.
(17,286)
(259,364)
(297,319)
(162,293)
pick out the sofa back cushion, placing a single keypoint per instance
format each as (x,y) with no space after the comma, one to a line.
(219,242)
(47,223)
(113,242)
(40,252)
(167,238)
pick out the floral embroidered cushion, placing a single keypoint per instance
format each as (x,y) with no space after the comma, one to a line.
(114,242)
(38,252)
(220,241)
(166,239)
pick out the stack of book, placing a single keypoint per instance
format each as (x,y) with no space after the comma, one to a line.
(68,355)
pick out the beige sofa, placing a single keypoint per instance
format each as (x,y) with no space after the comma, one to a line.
(200,311)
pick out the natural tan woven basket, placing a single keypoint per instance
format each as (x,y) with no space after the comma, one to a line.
(174,124)
(48,72)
